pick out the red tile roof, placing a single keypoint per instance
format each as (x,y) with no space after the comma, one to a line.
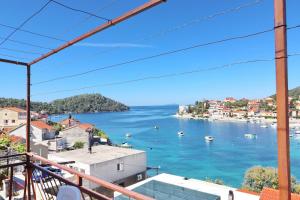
(273,194)
(14,109)
(86,126)
(41,125)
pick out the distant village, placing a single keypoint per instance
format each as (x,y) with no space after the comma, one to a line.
(238,110)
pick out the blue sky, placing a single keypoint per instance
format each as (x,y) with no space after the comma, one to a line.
(249,80)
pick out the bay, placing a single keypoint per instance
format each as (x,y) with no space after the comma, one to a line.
(226,158)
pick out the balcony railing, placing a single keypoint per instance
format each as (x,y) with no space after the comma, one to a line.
(45,184)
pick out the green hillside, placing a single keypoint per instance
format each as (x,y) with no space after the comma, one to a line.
(76,104)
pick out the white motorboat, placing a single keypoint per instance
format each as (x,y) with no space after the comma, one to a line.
(180,133)
(250,135)
(209,138)
(297,132)
(125,145)
(264,126)
(156,127)
(128,135)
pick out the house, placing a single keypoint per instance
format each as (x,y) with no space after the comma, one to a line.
(297,104)
(269,101)
(66,123)
(273,194)
(229,99)
(11,117)
(267,114)
(125,166)
(254,104)
(182,109)
(76,133)
(239,114)
(40,131)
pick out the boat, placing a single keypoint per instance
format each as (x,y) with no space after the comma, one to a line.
(264,126)
(156,127)
(297,132)
(209,138)
(128,135)
(125,145)
(291,135)
(180,133)
(274,125)
(250,135)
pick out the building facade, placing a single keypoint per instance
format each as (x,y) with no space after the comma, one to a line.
(11,117)
(113,164)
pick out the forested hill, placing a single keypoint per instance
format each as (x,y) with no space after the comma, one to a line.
(295,93)
(76,104)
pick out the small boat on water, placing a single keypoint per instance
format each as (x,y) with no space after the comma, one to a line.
(264,126)
(291,135)
(297,132)
(274,125)
(180,133)
(128,135)
(209,138)
(250,135)
(156,127)
(125,145)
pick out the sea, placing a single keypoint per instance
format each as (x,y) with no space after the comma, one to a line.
(227,157)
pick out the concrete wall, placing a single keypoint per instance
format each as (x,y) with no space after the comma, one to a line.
(9,115)
(133,165)
(36,133)
(73,135)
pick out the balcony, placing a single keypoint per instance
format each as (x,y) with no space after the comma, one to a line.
(31,177)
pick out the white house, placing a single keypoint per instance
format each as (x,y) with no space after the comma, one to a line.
(182,109)
(117,165)
(40,131)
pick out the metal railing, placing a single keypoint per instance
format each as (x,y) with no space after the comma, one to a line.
(45,183)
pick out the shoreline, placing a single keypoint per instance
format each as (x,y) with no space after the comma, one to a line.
(293,122)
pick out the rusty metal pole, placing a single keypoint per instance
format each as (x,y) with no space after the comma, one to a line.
(28,117)
(28,120)
(282,100)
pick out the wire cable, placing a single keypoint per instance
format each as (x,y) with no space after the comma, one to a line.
(77,24)
(24,22)
(159,76)
(192,22)
(12,56)
(33,33)
(20,51)
(156,56)
(82,11)
(28,44)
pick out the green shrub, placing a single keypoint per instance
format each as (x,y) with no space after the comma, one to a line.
(78,145)
(256,178)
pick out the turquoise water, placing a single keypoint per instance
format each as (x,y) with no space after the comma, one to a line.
(227,157)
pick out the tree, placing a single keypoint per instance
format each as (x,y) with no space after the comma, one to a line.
(256,178)
(78,145)
(100,133)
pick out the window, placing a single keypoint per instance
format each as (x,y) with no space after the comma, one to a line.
(139,177)
(120,166)
(13,121)
(5,121)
